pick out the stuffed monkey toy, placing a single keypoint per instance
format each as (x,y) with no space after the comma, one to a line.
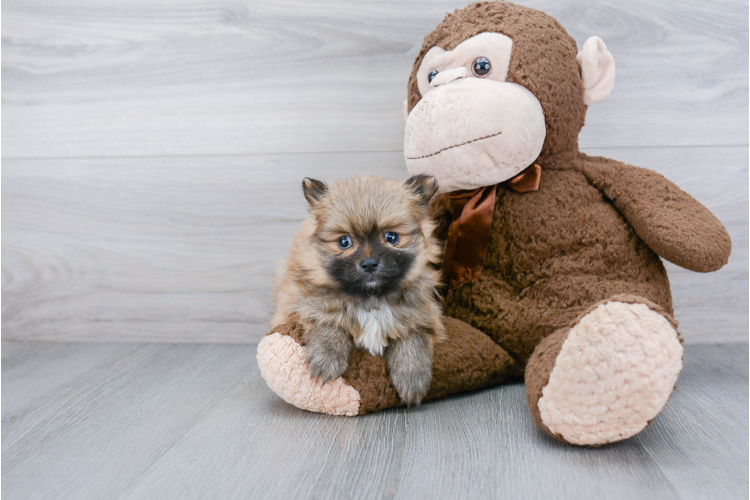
(552,257)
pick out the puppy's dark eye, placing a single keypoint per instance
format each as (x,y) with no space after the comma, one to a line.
(481,67)
(345,242)
(432,74)
(391,237)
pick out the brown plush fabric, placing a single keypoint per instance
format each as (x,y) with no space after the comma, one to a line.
(548,262)
(668,219)
(294,330)
(543,60)
(543,360)
(471,225)
(594,231)
(538,371)
(369,376)
(466,360)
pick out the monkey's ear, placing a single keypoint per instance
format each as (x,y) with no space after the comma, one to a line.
(423,186)
(406,109)
(314,190)
(597,70)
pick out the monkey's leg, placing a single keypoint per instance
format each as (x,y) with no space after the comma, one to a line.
(466,360)
(608,375)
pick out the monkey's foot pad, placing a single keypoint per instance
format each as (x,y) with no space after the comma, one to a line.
(282,364)
(614,374)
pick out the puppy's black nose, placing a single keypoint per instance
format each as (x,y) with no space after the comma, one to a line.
(369,265)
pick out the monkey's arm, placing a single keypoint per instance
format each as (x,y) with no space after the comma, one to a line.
(670,221)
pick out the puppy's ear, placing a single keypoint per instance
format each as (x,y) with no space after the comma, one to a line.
(314,190)
(423,186)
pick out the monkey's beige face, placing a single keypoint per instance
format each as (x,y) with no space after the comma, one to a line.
(471,127)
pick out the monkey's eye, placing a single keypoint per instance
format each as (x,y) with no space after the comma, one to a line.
(481,67)
(432,74)
(345,242)
(391,238)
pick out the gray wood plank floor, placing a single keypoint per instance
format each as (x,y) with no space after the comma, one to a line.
(105,420)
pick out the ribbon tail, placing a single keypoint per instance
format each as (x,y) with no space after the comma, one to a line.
(468,236)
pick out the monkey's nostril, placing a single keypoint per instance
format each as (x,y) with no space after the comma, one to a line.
(369,265)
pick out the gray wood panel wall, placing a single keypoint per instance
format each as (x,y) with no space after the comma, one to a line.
(152,151)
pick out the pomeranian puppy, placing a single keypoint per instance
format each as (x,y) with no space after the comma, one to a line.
(361,272)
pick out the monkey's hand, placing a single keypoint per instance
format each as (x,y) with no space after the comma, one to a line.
(328,351)
(409,362)
(670,221)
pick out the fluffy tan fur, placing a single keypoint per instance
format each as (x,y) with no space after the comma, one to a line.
(308,294)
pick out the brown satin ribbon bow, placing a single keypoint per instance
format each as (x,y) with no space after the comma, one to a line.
(469,232)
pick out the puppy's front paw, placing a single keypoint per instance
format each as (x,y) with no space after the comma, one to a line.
(412,383)
(409,361)
(325,363)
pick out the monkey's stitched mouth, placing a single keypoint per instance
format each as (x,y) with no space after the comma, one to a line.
(454,146)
